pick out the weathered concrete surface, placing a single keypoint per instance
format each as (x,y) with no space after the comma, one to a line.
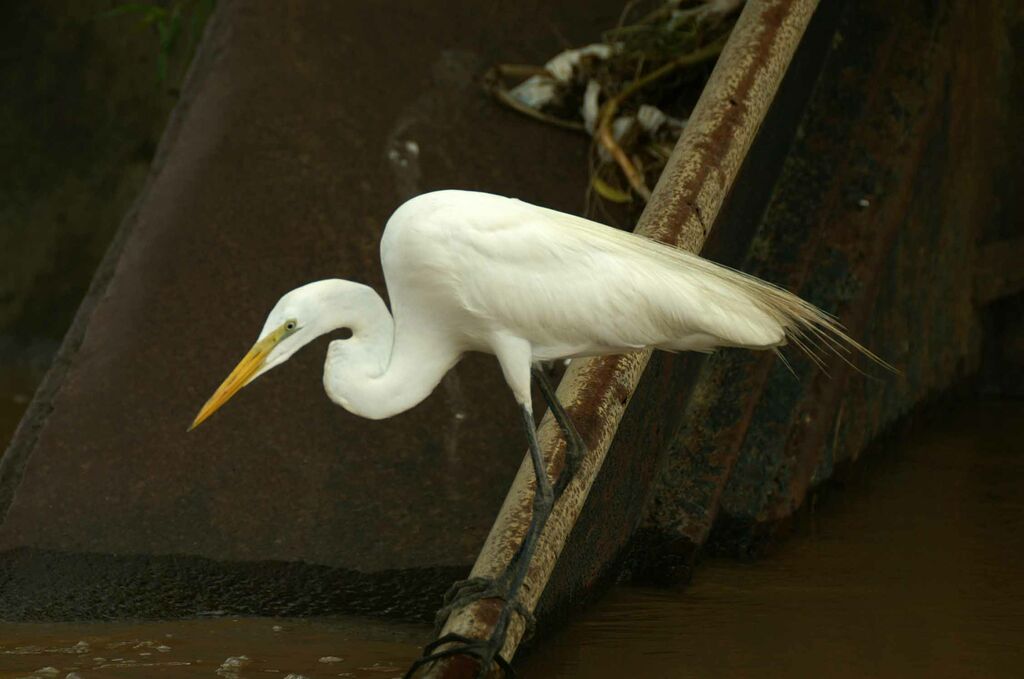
(289,149)
(877,217)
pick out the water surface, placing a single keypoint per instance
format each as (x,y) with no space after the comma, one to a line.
(909,566)
(912,566)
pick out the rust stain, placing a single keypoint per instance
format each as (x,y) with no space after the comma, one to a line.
(589,398)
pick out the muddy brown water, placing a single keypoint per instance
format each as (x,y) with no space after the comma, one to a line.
(910,566)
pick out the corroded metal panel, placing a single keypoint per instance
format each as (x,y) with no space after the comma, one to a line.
(875,217)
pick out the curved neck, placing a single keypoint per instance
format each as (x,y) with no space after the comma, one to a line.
(386,367)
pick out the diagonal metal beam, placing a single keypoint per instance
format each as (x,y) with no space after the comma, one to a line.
(596,392)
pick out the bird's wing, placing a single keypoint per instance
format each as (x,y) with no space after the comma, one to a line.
(564,281)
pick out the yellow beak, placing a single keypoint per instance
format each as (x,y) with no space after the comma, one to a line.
(240,376)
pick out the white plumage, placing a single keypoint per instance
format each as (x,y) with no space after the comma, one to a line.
(469,271)
(573,287)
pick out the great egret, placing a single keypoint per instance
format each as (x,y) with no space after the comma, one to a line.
(470,271)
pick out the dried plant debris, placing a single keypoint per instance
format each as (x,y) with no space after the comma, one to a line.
(632,92)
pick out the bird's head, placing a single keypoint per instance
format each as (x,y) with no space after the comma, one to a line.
(296,320)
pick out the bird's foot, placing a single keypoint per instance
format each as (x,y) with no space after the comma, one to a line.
(503,588)
(487,652)
(461,593)
(465,592)
(451,645)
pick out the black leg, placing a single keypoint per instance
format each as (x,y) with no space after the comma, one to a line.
(505,586)
(575,448)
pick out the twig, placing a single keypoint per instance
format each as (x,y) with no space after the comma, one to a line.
(520,70)
(603,132)
(510,101)
(498,90)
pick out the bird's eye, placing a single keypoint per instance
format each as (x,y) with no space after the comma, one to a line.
(290,325)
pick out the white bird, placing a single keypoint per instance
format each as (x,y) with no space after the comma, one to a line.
(468,271)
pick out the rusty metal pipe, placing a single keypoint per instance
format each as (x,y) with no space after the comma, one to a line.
(596,391)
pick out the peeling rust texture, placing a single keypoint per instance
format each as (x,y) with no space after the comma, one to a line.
(875,218)
(685,203)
